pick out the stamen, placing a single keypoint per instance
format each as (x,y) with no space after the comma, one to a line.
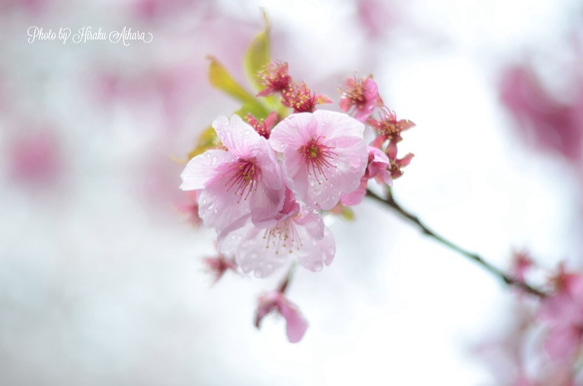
(244,178)
(283,236)
(318,157)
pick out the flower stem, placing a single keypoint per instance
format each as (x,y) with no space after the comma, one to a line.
(287,279)
(506,278)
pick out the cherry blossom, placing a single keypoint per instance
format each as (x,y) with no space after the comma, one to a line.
(324,155)
(388,127)
(299,97)
(360,97)
(243,179)
(296,233)
(296,324)
(275,78)
(378,168)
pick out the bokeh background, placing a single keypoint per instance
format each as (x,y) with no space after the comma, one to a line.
(101,273)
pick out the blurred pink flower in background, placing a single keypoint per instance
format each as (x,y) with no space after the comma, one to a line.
(219,265)
(562,313)
(550,124)
(35,158)
(377,16)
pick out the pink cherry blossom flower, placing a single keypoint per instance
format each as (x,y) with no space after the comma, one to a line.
(296,324)
(378,168)
(243,179)
(562,312)
(388,127)
(264,126)
(295,233)
(360,97)
(299,97)
(275,78)
(324,155)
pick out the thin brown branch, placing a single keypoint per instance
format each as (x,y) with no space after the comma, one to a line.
(506,278)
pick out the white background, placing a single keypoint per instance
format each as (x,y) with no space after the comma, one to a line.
(101,279)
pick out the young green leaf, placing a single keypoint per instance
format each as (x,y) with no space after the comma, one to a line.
(258,55)
(221,79)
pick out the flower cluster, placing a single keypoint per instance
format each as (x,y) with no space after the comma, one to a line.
(264,183)
(265,186)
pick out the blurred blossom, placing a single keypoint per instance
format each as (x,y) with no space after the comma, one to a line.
(521,264)
(550,124)
(152,10)
(34,158)
(377,16)
(514,355)
(33,7)
(170,88)
(218,265)
(189,207)
(562,313)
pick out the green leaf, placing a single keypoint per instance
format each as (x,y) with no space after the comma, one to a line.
(258,55)
(207,140)
(259,111)
(221,79)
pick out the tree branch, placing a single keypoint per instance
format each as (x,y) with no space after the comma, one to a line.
(506,278)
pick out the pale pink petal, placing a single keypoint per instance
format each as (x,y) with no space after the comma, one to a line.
(317,247)
(251,249)
(296,324)
(265,204)
(261,251)
(333,124)
(237,136)
(203,168)
(293,132)
(219,210)
(296,173)
(378,166)
(271,172)
(356,196)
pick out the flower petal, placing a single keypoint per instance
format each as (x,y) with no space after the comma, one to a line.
(203,168)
